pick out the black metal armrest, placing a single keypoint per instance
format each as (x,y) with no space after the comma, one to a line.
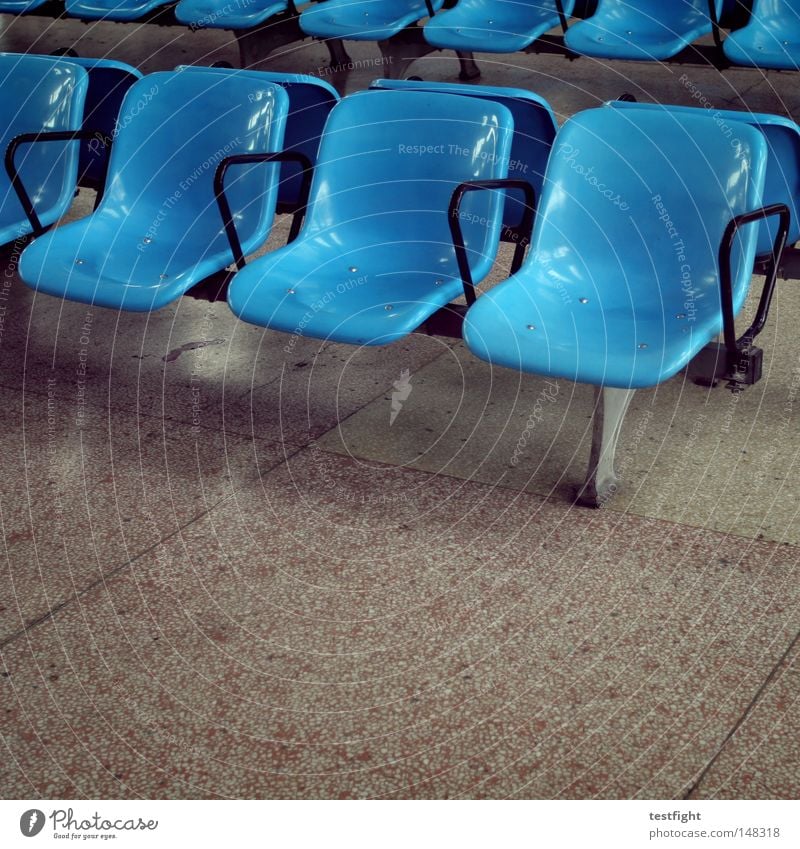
(431,10)
(562,16)
(454,218)
(734,346)
(16,180)
(715,28)
(251,159)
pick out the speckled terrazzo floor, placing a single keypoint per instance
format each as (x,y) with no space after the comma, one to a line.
(288,596)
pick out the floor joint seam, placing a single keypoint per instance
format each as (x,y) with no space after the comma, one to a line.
(108,576)
(749,709)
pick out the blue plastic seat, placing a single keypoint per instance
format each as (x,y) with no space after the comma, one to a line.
(494,26)
(641,29)
(627,279)
(158,231)
(108,83)
(223,14)
(112,10)
(37,96)
(310,102)
(375,257)
(771,38)
(603,285)
(783,164)
(20,7)
(364,20)
(535,128)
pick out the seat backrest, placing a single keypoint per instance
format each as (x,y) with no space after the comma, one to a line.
(638,201)
(174,130)
(390,161)
(310,102)
(783,165)
(108,82)
(39,95)
(535,127)
(783,12)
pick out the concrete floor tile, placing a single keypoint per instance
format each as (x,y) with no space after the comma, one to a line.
(79,500)
(608,661)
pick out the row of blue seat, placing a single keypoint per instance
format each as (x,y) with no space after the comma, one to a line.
(637,227)
(618,29)
(648,29)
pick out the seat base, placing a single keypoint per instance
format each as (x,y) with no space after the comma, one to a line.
(509,32)
(209,14)
(634,35)
(108,10)
(347,298)
(351,23)
(758,47)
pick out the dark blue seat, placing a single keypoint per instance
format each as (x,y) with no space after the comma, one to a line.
(375,258)
(224,14)
(158,231)
(364,20)
(112,10)
(625,281)
(771,38)
(39,95)
(494,26)
(783,163)
(644,29)
(535,127)
(310,102)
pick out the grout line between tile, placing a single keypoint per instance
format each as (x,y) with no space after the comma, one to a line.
(695,785)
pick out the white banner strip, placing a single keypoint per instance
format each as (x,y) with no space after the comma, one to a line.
(400,825)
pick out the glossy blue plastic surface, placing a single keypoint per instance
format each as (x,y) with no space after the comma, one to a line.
(644,29)
(225,14)
(19,7)
(783,165)
(375,258)
(535,128)
(494,26)
(39,95)
(771,39)
(363,20)
(158,231)
(108,83)
(310,102)
(112,10)
(621,285)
